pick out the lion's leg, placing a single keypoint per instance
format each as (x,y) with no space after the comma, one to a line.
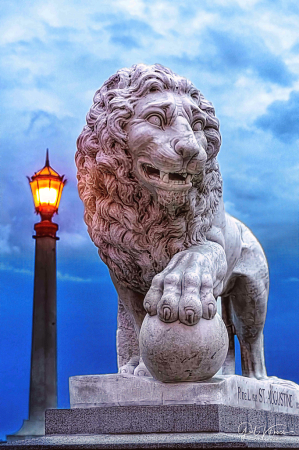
(133,308)
(130,317)
(126,341)
(136,313)
(249,301)
(228,367)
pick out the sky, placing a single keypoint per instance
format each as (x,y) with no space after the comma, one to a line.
(243,55)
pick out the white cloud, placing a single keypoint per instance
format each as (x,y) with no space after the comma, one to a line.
(33,99)
(18,28)
(249,98)
(9,268)
(74,240)
(280,31)
(245,4)
(60,276)
(5,245)
(75,279)
(133,7)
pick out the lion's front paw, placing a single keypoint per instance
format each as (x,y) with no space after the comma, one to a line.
(130,366)
(183,291)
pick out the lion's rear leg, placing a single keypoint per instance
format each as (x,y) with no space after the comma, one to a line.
(126,341)
(229,365)
(249,304)
(249,300)
(129,320)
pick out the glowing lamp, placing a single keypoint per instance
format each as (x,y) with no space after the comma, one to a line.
(46,186)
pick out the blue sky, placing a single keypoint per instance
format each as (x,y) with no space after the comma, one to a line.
(243,55)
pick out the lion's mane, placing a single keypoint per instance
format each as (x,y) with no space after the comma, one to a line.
(135,235)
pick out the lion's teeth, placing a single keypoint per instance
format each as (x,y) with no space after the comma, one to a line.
(164,176)
(188,178)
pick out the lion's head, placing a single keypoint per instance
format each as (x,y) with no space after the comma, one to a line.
(147,170)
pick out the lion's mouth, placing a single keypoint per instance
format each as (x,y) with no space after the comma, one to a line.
(168,179)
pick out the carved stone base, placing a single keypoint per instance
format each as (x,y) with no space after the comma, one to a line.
(272,394)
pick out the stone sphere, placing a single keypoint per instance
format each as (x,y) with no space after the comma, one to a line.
(174,352)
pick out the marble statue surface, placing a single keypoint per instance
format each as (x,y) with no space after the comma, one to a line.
(152,191)
(271,394)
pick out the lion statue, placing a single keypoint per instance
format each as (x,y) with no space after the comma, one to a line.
(152,192)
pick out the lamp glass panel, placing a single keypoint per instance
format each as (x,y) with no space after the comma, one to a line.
(58,185)
(34,189)
(59,195)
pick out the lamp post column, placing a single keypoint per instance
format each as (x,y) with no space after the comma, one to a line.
(43,373)
(43,378)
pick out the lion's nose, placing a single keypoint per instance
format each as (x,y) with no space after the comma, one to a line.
(188,149)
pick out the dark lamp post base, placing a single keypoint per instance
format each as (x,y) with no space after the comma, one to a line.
(31,428)
(46,228)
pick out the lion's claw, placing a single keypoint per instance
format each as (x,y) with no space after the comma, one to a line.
(127,368)
(141,371)
(190,309)
(190,316)
(211,310)
(209,306)
(148,308)
(166,313)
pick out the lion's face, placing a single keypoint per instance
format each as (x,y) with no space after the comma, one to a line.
(168,145)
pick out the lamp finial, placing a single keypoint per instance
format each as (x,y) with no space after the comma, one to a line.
(47,158)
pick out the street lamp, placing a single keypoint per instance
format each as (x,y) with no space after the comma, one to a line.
(46,186)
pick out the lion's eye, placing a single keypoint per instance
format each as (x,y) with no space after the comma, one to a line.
(197,126)
(155,120)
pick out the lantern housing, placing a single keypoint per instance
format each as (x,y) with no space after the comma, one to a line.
(46,186)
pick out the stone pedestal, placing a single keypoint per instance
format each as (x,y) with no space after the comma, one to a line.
(121,411)
(124,404)
(272,394)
